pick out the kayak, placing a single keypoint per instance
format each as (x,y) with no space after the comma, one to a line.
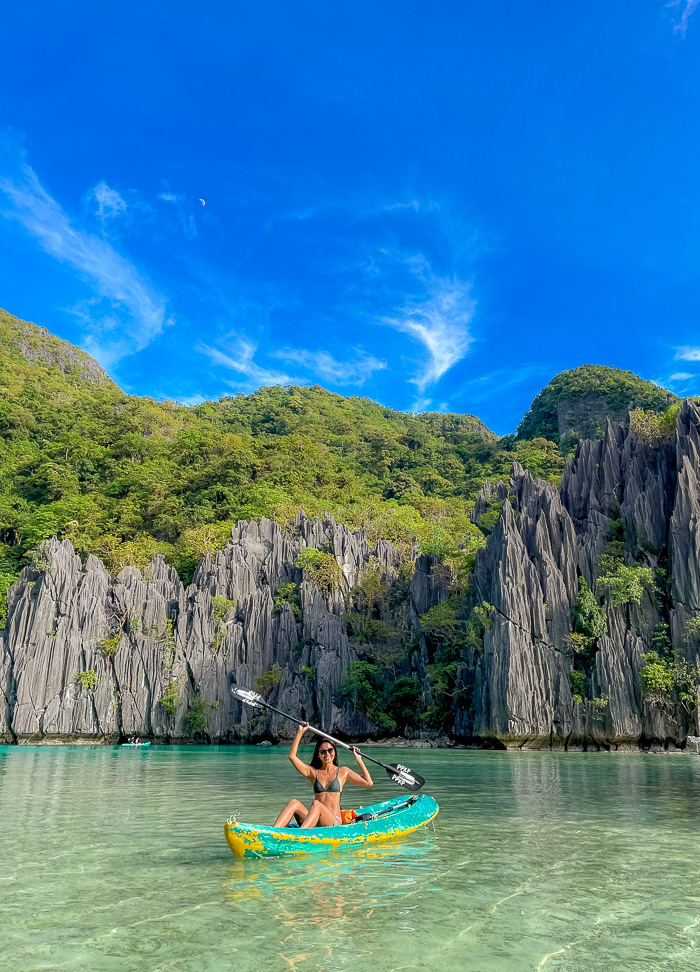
(133,745)
(380,821)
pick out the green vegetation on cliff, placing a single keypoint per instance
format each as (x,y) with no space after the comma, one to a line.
(127,477)
(575,404)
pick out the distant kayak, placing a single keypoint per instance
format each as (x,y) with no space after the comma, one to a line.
(133,745)
(380,821)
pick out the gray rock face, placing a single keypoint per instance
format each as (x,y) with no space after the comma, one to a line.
(60,615)
(648,492)
(38,345)
(142,637)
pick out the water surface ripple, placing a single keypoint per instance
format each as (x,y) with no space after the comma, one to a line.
(114,859)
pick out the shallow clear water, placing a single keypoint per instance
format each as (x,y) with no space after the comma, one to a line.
(114,859)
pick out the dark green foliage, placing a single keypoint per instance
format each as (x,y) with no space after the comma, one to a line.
(221,607)
(87,680)
(489,518)
(320,568)
(195,721)
(167,643)
(611,392)
(268,680)
(109,646)
(305,643)
(442,622)
(6,582)
(666,675)
(658,678)
(449,636)
(390,705)
(661,639)
(578,686)
(626,585)
(479,622)
(616,530)
(621,583)
(288,594)
(403,699)
(364,687)
(612,557)
(366,629)
(589,616)
(169,700)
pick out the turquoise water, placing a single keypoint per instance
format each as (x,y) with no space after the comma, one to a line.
(114,859)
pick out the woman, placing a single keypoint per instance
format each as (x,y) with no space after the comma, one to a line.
(328,780)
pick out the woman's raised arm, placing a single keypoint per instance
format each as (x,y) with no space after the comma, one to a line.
(365,779)
(299,765)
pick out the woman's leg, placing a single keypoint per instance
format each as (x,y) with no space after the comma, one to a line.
(320,816)
(295,808)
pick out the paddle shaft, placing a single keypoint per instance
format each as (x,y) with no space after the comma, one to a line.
(319,732)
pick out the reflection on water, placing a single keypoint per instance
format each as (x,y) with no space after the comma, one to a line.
(115,860)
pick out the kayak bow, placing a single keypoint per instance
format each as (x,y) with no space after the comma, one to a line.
(380,821)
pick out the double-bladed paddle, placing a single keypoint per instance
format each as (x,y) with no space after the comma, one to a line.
(402,775)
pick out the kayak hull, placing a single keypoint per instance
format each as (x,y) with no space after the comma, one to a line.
(133,745)
(396,820)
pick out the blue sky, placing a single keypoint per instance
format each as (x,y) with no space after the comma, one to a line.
(436,205)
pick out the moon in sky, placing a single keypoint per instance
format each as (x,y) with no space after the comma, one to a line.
(202,202)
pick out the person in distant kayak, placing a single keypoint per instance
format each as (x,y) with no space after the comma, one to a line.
(328,780)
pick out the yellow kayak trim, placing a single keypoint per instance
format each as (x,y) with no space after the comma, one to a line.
(249,840)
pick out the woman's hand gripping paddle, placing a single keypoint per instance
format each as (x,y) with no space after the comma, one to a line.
(401,775)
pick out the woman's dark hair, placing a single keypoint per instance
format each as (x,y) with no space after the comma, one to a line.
(316,760)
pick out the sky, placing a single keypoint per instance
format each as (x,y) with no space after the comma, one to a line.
(436,205)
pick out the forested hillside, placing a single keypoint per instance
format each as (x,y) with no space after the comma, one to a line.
(576,404)
(127,477)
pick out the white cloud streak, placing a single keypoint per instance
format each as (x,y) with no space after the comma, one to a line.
(687,354)
(241,360)
(136,312)
(688,10)
(439,321)
(184,212)
(351,372)
(109,202)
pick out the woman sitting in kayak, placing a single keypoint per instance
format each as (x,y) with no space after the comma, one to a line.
(328,780)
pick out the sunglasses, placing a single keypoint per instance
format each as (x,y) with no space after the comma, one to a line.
(324,752)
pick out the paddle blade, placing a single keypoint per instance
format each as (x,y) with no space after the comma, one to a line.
(405,777)
(246,696)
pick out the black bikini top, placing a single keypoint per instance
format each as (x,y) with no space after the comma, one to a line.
(333,786)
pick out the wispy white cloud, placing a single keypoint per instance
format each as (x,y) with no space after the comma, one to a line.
(440,320)
(109,202)
(680,382)
(420,405)
(485,387)
(191,400)
(241,359)
(125,313)
(689,7)
(354,371)
(687,354)
(184,212)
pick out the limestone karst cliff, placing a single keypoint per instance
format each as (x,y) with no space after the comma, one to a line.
(147,637)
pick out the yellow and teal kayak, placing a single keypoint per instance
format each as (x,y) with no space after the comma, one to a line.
(381,821)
